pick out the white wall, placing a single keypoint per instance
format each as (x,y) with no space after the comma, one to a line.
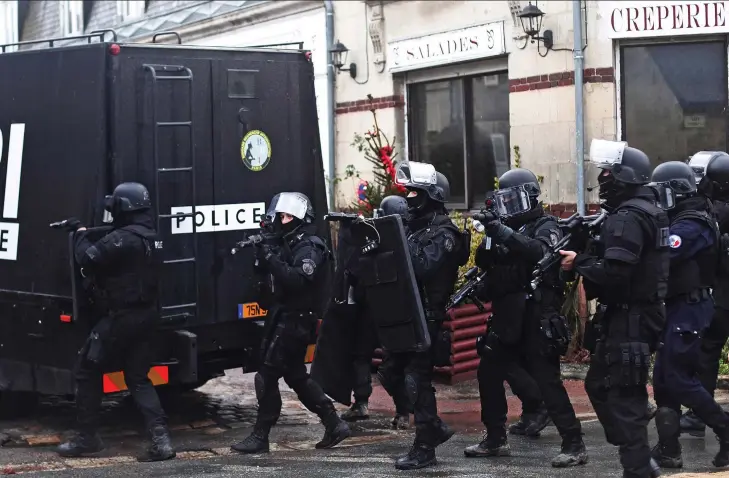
(309,28)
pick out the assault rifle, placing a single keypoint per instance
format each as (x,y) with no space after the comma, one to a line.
(343,217)
(266,234)
(574,223)
(468,290)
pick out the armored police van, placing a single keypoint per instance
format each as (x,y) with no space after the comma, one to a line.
(214,133)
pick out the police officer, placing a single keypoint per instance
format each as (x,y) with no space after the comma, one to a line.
(716,188)
(296,270)
(436,252)
(694,243)
(123,266)
(630,281)
(517,347)
(391,381)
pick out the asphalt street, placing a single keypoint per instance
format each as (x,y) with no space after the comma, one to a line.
(530,459)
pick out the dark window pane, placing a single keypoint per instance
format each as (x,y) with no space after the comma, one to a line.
(437,129)
(674,98)
(490,150)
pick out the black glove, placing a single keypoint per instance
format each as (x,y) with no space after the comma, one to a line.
(264,252)
(498,232)
(489,216)
(72,224)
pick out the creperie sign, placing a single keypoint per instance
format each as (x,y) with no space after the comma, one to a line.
(650,19)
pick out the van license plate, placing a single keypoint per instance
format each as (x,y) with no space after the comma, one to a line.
(251,310)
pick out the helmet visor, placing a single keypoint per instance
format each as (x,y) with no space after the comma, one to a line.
(698,164)
(665,196)
(294,204)
(606,154)
(512,201)
(415,174)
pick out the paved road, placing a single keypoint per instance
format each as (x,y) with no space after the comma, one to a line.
(375,459)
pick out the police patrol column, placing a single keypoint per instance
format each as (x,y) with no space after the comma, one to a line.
(9,231)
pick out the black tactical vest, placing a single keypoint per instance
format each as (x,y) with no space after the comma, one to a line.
(312,296)
(438,289)
(698,272)
(649,282)
(135,280)
(721,290)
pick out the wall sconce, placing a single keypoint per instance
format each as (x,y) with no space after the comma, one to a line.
(531,21)
(338,54)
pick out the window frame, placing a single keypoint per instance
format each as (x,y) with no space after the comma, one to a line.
(463,73)
(10,23)
(125,10)
(620,45)
(74,9)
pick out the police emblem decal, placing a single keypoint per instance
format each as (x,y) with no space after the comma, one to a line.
(448,244)
(674,241)
(553,239)
(308,267)
(255,150)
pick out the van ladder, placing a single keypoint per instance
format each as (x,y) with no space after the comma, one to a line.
(176,312)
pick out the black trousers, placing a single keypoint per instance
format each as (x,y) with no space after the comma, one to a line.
(362,367)
(711,347)
(292,368)
(124,340)
(415,389)
(392,377)
(534,378)
(621,409)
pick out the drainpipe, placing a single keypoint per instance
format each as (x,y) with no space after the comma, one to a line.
(329,8)
(579,105)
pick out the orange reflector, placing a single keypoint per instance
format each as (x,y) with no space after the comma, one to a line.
(65,318)
(310,353)
(114,382)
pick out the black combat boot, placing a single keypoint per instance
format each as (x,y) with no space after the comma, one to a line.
(81,444)
(655,471)
(493,444)
(335,431)
(256,442)
(401,422)
(692,425)
(161,447)
(573,452)
(667,453)
(519,428)
(443,434)
(722,457)
(420,456)
(540,421)
(359,411)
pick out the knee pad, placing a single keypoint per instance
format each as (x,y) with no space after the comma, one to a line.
(411,388)
(260,384)
(668,422)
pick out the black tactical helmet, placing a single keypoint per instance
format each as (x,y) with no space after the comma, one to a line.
(394,205)
(634,168)
(521,177)
(699,161)
(128,197)
(676,175)
(715,182)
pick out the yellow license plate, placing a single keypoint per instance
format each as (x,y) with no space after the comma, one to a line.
(251,310)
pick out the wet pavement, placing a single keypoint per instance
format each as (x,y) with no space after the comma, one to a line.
(206,422)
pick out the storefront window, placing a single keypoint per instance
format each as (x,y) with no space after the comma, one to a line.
(461,126)
(674,98)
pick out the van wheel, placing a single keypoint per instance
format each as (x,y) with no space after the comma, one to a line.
(17,404)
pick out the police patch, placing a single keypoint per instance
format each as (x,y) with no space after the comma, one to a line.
(674,241)
(553,238)
(448,244)
(308,267)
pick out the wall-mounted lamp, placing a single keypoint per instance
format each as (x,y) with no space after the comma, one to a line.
(531,21)
(339,57)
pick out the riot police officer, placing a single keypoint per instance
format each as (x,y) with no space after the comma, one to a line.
(713,182)
(124,268)
(295,268)
(527,334)
(694,243)
(630,281)
(367,342)
(436,252)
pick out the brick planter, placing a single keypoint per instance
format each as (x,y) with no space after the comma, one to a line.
(466,324)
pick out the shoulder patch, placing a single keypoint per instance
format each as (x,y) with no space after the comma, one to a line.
(674,241)
(448,243)
(308,266)
(553,238)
